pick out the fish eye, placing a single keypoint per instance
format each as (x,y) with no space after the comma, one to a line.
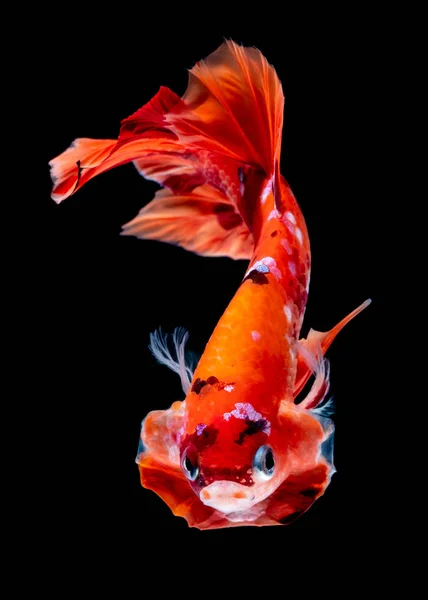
(264,462)
(189,464)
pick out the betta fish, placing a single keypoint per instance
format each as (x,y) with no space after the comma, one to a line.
(239,449)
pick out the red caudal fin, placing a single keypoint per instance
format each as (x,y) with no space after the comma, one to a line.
(195,146)
(233,106)
(316,345)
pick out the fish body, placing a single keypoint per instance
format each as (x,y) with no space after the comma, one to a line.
(238,450)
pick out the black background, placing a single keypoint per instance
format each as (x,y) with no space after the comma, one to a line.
(96,296)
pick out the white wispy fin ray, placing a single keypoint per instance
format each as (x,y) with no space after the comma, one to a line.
(320,366)
(326,409)
(181,362)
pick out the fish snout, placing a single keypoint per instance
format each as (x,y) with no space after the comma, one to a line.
(227,496)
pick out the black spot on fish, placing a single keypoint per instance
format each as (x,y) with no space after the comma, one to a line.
(211,380)
(198,385)
(310,492)
(274,233)
(208,437)
(257,277)
(277,188)
(199,442)
(79,173)
(290,518)
(252,428)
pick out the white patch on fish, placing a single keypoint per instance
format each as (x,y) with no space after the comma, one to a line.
(266,191)
(262,268)
(274,214)
(289,215)
(248,412)
(288,313)
(200,428)
(287,247)
(271,264)
(290,226)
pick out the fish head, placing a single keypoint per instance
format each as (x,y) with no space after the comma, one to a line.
(233,464)
(242,470)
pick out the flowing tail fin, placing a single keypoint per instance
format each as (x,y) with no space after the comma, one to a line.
(195,147)
(233,106)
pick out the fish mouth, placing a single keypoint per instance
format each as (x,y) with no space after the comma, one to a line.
(227,496)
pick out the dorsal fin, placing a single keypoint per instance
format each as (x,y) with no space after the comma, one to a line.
(322,339)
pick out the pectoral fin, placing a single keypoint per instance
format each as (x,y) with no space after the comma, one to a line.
(159,465)
(297,494)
